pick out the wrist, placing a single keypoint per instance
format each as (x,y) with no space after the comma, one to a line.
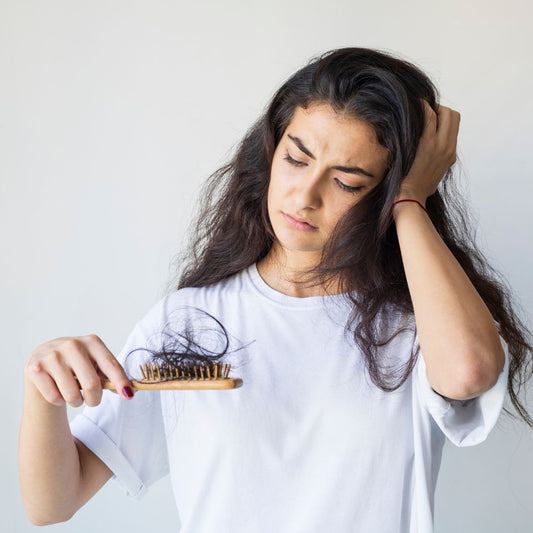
(402,203)
(407,195)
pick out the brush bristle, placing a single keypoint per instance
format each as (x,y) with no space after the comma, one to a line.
(184,371)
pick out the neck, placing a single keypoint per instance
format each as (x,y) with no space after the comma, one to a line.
(288,273)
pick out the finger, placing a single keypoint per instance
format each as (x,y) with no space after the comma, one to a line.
(63,376)
(430,114)
(447,118)
(430,124)
(45,384)
(455,122)
(447,132)
(454,134)
(85,370)
(88,380)
(110,366)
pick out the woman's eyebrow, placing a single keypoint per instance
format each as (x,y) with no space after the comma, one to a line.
(350,170)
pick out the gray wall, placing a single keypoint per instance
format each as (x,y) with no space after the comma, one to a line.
(113,112)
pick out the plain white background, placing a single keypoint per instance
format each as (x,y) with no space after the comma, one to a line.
(112,113)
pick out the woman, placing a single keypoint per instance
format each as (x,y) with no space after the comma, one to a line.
(327,268)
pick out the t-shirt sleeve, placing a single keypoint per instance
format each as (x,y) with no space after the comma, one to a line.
(128,435)
(464,422)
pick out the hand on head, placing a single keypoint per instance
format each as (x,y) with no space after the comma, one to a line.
(436,153)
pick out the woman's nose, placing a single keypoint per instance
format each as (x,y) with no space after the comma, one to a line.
(310,191)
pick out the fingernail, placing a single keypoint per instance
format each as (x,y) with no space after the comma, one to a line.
(126,391)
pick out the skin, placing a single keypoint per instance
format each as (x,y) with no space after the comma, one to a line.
(312,190)
(51,494)
(458,337)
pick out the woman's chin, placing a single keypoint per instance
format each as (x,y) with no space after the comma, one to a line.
(297,246)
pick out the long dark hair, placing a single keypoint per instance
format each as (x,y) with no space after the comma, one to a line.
(233,230)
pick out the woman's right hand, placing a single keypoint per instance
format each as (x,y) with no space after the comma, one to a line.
(61,367)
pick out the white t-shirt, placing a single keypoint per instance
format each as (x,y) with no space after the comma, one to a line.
(308,444)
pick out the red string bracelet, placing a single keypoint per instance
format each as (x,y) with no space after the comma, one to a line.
(408,200)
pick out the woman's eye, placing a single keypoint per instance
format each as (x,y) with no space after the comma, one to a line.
(342,185)
(348,188)
(292,161)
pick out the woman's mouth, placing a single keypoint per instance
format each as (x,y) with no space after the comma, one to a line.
(298,223)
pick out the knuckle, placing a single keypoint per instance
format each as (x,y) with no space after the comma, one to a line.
(54,397)
(112,367)
(71,396)
(92,384)
(93,338)
(452,155)
(93,400)
(74,401)
(55,357)
(115,365)
(72,343)
(33,366)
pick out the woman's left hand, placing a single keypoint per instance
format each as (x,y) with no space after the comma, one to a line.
(435,154)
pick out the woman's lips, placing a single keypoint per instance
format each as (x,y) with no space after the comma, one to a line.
(298,223)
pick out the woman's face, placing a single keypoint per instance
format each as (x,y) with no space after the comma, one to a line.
(323,165)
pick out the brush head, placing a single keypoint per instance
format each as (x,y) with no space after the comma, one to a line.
(185,375)
(183,371)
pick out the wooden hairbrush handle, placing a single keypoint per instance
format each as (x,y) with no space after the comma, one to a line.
(178,384)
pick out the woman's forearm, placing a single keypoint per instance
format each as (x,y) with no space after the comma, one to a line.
(458,336)
(49,464)
(58,474)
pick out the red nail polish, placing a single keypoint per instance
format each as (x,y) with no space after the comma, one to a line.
(126,391)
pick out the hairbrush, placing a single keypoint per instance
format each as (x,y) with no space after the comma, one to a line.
(169,376)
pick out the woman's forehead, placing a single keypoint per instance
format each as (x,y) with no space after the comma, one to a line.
(327,133)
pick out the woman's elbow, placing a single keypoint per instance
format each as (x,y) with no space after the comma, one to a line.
(43,519)
(473,380)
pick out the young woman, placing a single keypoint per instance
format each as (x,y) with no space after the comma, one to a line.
(332,267)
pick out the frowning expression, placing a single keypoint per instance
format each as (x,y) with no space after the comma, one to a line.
(322,166)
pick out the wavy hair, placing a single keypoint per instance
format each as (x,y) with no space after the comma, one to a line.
(232,229)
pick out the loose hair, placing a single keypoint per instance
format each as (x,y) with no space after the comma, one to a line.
(232,230)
